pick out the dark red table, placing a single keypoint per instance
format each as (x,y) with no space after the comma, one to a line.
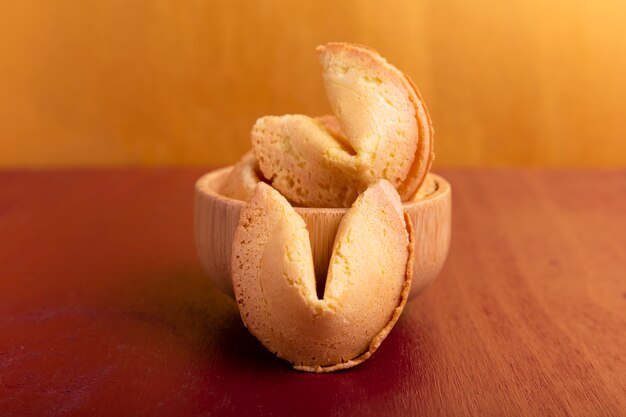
(104,309)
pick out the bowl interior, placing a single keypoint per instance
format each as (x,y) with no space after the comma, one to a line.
(216,217)
(212,182)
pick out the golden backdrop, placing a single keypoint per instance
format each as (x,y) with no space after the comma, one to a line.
(152,82)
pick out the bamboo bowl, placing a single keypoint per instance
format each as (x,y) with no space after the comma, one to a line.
(216,217)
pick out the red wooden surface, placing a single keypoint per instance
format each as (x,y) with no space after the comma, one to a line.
(104,309)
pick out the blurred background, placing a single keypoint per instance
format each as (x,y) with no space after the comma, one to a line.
(161,83)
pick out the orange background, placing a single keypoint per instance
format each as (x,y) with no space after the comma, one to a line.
(520,82)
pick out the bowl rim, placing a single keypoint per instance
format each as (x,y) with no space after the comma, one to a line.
(202,187)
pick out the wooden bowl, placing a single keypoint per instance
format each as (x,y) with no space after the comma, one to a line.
(216,217)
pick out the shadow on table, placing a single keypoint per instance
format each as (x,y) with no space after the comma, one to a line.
(243,378)
(231,373)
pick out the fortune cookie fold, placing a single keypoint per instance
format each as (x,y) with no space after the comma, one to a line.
(380,130)
(366,288)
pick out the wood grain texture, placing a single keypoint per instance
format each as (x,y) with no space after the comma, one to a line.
(128,82)
(216,218)
(104,309)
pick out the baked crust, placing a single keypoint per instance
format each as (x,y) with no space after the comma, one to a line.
(275,288)
(380,129)
(408,180)
(242,179)
(293,154)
